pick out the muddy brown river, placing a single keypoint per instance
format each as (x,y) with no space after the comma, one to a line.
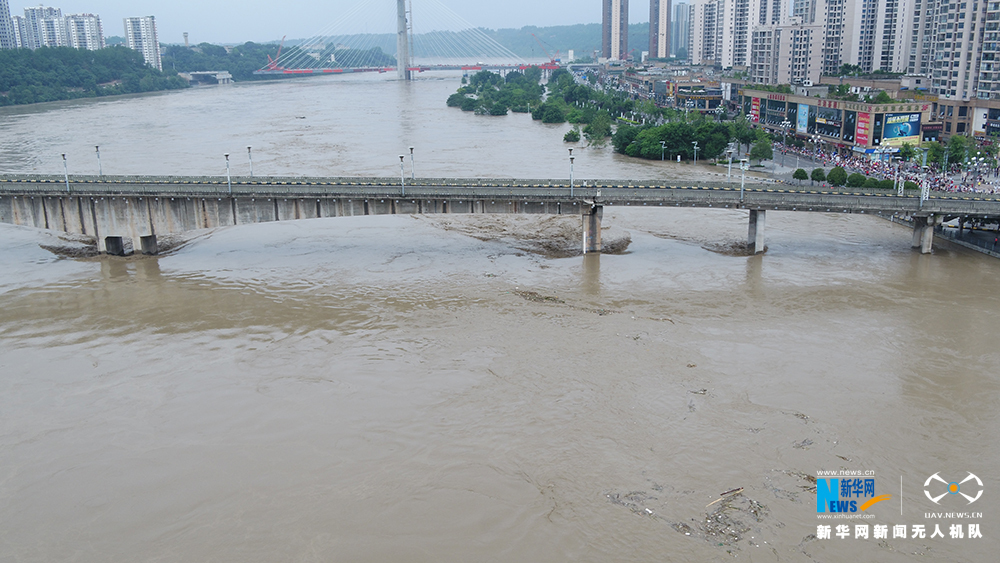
(427,388)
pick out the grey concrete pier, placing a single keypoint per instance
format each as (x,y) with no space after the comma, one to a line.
(592,228)
(923,232)
(755,234)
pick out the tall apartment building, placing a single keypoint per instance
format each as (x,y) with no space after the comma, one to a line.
(958,47)
(614,44)
(17,26)
(705,32)
(988,87)
(659,28)
(739,18)
(921,38)
(7,36)
(84,31)
(790,53)
(140,35)
(680,30)
(806,10)
(42,27)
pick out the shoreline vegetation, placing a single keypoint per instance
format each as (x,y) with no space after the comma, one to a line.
(52,74)
(636,128)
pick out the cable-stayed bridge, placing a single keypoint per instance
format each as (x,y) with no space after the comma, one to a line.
(360,41)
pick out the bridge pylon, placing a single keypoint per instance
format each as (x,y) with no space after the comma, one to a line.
(403,63)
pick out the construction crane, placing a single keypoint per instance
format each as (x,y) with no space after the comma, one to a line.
(552,60)
(272,64)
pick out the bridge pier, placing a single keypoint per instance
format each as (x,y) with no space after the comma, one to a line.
(592,228)
(755,234)
(923,233)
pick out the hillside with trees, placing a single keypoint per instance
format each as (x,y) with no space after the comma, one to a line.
(241,61)
(61,73)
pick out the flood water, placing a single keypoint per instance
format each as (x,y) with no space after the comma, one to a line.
(383,388)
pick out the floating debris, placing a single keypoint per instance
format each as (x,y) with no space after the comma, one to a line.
(803,444)
(536,297)
(699,391)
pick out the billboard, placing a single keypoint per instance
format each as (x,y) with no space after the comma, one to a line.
(802,123)
(755,110)
(901,128)
(861,134)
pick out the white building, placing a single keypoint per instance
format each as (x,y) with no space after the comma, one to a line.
(140,35)
(41,28)
(17,26)
(739,19)
(786,54)
(84,31)
(705,32)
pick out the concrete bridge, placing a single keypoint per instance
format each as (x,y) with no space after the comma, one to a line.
(117,210)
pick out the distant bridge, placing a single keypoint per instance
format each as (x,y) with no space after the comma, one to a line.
(138,208)
(410,70)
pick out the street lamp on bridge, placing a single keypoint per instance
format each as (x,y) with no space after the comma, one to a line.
(785,125)
(743,167)
(663,148)
(100,170)
(250,158)
(413,174)
(229,178)
(729,154)
(402,175)
(695,143)
(66,170)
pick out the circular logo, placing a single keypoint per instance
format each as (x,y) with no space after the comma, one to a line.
(953,488)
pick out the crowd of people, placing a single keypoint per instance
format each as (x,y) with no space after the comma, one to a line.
(985,181)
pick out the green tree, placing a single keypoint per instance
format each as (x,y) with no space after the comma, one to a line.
(761,150)
(906,152)
(837,176)
(818,175)
(856,180)
(800,175)
(883,98)
(886,184)
(871,183)
(598,129)
(572,136)
(908,185)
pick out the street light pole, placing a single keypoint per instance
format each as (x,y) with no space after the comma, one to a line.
(743,167)
(571,175)
(229,178)
(402,175)
(413,173)
(250,157)
(695,143)
(663,147)
(100,169)
(66,170)
(729,153)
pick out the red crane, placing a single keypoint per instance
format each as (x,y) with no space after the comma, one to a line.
(552,60)
(272,64)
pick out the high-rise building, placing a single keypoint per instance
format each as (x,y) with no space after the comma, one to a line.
(959,48)
(705,32)
(989,75)
(7,37)
(17,25)
(739,18)
(41,28)
(140,35)
(614,44)
(83,31)
(681,29)
(659,28)
(805,10)
(790,53)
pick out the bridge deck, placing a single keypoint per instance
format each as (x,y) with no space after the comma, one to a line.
(756,195)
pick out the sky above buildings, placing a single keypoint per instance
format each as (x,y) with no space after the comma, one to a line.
(232,21)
